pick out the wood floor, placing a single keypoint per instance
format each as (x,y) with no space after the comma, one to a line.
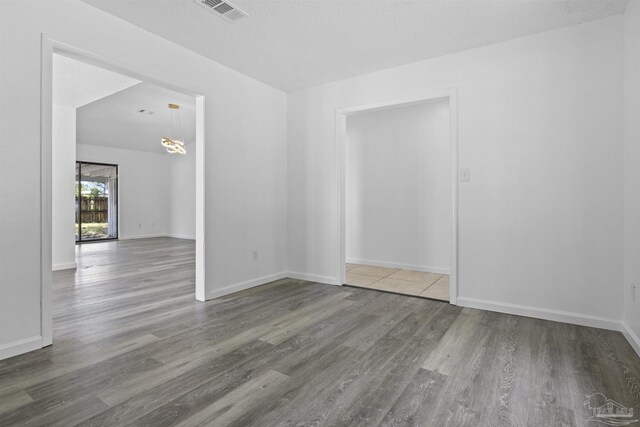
(131,346)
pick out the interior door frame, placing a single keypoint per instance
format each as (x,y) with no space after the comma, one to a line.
(117,192)
(50,45)
(341,138)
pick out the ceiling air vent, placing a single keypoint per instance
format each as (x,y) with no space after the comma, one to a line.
(211,3)
(222,8)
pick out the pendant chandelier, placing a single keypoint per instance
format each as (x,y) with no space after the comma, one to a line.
(172,143)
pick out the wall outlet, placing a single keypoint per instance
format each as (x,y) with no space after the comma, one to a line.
(139,225)
(465,175)
(254,255)
(633,292)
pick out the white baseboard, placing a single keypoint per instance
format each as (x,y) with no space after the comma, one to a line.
(541,313)
(64,266)
(313,278)
(217,293)
(141,236)
(20,346)
(181,236)
(427,269)
(631,336)
(153,236)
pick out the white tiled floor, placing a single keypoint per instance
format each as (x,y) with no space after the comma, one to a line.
(417,283)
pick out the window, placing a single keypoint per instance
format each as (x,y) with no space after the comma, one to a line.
(96,201)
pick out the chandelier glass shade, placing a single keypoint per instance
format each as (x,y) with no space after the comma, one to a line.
(172,143)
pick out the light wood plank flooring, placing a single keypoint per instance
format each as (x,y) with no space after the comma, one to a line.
(133,347)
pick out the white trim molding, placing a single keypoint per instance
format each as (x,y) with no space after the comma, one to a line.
(252,283)
(340,144)
(64,266)
(20,346)
(142,236)
(326,280)
(631,336)
(423,268)
(48,46)
(153,236)
(181,236)
(542,313)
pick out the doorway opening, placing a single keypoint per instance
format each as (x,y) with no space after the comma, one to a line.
(398,196)
(96,202)
(118,167)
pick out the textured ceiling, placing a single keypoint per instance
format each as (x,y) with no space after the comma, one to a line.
(76,83)
(293,44)
(115,121)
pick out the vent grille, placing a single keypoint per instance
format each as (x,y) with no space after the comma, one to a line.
(211,3)
(234,15)
(223,8)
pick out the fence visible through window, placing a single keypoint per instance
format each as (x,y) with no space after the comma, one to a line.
(96,201)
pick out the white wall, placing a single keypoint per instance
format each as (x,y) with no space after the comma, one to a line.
(540,127)
(182,186)
(143,189)
(632,165)
(245,164)
(63,170)
(398,187)
(157,191)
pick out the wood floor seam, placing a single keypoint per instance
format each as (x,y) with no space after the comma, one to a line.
(132,346)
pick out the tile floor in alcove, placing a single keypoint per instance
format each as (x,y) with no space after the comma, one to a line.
(408,282)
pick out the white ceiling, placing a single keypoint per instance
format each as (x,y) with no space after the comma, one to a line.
(114,121)
(293,44)
(76,83)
